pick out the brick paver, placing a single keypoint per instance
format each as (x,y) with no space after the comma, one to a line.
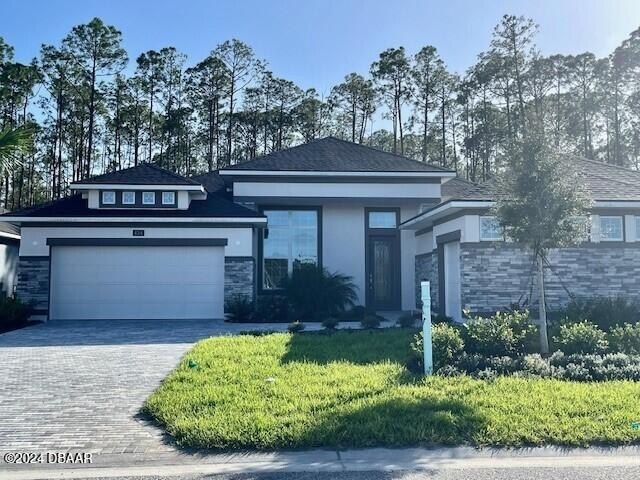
(79,386)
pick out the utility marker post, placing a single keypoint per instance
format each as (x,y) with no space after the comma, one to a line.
(425,296)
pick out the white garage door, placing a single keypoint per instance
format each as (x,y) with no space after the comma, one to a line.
(133,282)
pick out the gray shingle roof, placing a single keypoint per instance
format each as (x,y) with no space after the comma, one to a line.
(143,174)
(602,182)
(8,228)
(331,154)
(212,182)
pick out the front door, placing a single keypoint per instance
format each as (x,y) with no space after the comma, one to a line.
(384,272)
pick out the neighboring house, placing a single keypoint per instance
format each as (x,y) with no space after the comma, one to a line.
(9,246)
(146,243)
(462,250)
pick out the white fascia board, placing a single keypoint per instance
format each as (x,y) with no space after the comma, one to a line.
(107,220)
(9,235)
(116,186)
(296,173)
(616,204)
(443,209)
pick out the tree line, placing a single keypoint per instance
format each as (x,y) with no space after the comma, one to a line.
(87,116)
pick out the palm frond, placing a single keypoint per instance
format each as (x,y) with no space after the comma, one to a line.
(13,143)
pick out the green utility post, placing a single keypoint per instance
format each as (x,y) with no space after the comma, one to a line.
(425,295)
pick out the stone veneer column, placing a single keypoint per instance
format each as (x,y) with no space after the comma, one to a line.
(239,277)
(33,284)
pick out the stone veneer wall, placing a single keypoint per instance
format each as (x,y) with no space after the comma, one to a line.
(33,283)
(427,269)
(239,277)
(495,275)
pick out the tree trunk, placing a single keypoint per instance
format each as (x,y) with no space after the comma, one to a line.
(542,308)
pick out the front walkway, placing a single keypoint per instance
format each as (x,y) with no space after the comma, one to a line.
(79,386)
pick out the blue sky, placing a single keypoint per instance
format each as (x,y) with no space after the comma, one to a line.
(315,43)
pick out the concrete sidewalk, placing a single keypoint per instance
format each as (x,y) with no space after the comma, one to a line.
(376,459)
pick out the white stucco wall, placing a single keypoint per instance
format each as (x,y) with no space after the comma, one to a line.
(337,190)
(343,247)
(469,226)
(408,258)
(34,239)
(343,243)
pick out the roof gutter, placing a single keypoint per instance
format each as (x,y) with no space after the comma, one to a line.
(298,173)
(247,220)
(425,218)
(124,186)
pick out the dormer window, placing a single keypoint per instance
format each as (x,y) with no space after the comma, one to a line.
(148,198)
(108,198)
(168,198)
(128,198)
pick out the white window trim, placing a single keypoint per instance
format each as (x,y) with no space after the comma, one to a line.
(128,203)
(618,217)
(104,202)
(173,196)
(488,239)
(149,203)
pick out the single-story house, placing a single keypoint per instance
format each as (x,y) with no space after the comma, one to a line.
(9,246)
(145,243)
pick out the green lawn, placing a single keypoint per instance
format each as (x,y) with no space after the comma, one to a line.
(351,389)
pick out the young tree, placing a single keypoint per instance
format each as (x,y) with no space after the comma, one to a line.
(539,205)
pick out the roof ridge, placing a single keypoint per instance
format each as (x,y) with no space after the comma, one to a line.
(604,164)
(388,153)
(165,170)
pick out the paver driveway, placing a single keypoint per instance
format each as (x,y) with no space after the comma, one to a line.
(79,386)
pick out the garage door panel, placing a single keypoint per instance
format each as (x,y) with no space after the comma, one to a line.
(137,282)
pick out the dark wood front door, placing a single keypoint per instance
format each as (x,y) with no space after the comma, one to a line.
(384,272)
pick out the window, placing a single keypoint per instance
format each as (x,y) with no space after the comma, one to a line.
(168,198)
(292,240)
(611,229)
(108,198)
(148,198)
(382,220)
(490,229)
(637,229)
(128,198)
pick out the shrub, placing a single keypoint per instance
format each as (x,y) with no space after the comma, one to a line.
(406,320)
(239,309)
(370,321)
(314,292)
(440,318)
(271,309)
(330,323)
(605,312)
(353,314)
(625,339)
(584,368)
(505,333)
(13,313)
(447,345)
(581,337)
(296,327)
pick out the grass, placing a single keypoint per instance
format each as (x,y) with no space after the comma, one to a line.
(351,389)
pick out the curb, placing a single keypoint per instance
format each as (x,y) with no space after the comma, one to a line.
(380,459)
